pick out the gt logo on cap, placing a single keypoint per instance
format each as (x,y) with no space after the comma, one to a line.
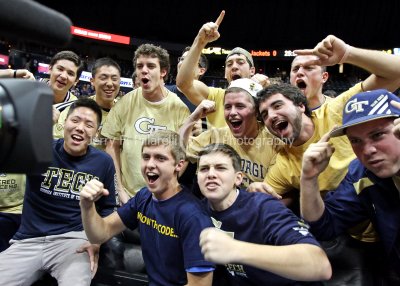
(354,105)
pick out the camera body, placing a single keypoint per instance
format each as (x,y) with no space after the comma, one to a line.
(25,126)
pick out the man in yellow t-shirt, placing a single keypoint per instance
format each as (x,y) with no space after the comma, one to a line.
(149,108)
(255,145)
(310,78)
(285,112)
(239,64)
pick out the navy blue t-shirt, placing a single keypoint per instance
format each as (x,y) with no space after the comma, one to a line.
(51,204)
(262,219)
(169,234)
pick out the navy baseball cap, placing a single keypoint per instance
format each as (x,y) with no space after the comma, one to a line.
(367,106)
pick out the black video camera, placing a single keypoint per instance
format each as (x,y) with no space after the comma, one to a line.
(26,106)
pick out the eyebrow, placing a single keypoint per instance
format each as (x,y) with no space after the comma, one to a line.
(216,165)
(276,101)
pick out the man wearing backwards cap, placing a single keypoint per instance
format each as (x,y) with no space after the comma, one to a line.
(371,188)
(243,133)
(239,64)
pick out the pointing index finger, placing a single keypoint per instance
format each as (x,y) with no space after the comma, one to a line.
(220,18)
(305,52)
(326,136)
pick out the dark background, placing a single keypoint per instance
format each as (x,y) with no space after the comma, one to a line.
(252,24)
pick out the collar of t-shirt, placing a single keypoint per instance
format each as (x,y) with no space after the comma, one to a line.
(396,180)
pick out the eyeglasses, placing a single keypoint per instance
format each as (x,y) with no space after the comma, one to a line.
(180,59)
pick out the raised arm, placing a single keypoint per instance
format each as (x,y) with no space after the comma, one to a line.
(113,148)
(201,111)
(384,68)
(315,160)
(98,229)
(301,262)
(194,89)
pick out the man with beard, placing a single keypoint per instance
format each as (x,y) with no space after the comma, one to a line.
(284,111)
(239,64)
(256,146)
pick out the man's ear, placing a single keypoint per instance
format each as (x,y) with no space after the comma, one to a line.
(238,178)
(202,71)
(163,73)
(252,71)
(302,107)
(92,82)
(325,77)
(179,165)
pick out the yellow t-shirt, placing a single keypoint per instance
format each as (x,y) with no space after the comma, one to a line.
(256,157)
(12,190)
(284,176)
(132,119)
(58,128)
(217,119)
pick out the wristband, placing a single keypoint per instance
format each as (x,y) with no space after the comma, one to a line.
(15,73)
(345,55)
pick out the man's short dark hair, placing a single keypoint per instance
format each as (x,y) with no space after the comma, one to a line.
(69,56)
(104,62)
(291,92)
(153,52)
(225,149)
(88,103)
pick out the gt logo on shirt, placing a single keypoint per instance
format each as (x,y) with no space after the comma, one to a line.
(146,125)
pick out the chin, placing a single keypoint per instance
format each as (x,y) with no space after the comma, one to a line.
(382,173)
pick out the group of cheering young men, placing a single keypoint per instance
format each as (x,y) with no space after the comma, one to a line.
(283,171)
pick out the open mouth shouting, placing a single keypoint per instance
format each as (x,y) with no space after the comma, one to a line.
(145,82)
(152,178)
(279,127)
(236,124)
(301,84)
(235,77)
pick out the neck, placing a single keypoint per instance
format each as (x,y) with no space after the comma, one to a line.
(104,104)
(225,203)
(171,190)
(59,97)
(306,132)
(316,101)
(156,95)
